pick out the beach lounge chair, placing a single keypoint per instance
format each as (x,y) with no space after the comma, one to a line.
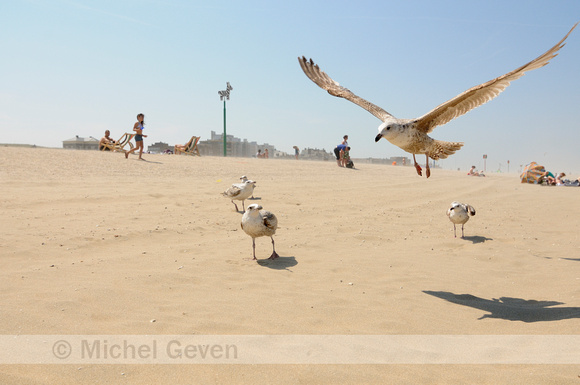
(190,147)
(119,144)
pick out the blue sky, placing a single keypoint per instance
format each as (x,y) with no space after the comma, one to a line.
(78,67)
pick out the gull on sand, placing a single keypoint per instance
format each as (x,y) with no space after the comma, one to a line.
(240,192)
(259,223)
(244,178)
(411,134)
(459,214)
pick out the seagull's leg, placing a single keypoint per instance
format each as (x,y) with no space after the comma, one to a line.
(274,254)
(454,231)
(427,169)
(254,248)
(462,236)
(235,205)
(243,208)
(417,166)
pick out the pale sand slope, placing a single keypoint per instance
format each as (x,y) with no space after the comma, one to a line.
(117,232)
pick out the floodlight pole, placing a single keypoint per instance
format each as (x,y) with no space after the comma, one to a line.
(225,95)
(225,135)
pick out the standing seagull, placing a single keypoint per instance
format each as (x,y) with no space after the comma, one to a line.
(259,223)
(459,213)
(244,178)
(411,134)
(240,192)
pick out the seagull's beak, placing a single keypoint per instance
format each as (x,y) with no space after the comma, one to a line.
(378,137)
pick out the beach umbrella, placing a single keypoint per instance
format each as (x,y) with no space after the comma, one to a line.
(533,173)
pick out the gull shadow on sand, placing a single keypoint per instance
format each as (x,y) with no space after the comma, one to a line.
(477,239)
(281,263)
(572,259)
(254,199)
(512,309)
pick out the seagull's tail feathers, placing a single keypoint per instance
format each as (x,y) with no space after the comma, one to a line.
(441,149)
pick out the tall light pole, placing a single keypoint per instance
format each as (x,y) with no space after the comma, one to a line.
(225,95)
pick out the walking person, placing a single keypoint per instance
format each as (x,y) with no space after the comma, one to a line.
(138,128)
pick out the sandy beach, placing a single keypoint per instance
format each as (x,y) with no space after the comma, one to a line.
(93,243)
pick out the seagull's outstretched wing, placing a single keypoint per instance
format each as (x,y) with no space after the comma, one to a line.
(483,93)
(325,82)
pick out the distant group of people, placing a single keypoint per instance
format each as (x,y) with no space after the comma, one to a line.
(263,155)
(138,127)
(559,180)
(473,172)
(342,153)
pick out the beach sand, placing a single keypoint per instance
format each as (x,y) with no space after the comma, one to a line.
(93,243)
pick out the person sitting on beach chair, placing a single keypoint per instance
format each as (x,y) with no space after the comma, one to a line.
(189,148)
(105,145)
(105,140)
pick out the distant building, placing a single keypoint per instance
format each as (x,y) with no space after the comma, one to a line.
(78,143)
(158,148)
(282,154)
(400,160)
(315,154)
(234,146)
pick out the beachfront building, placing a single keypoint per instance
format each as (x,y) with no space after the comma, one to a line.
(78,143)
(234,146)
(315,154)
(398,160)
(271,150)
(158,148)
(282,154)
(394,160)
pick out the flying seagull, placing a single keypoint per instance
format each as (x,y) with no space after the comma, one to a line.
(260,223)
(411,134)
(459,214)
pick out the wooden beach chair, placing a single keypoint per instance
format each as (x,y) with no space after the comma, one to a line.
(190,147)
(119,144)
